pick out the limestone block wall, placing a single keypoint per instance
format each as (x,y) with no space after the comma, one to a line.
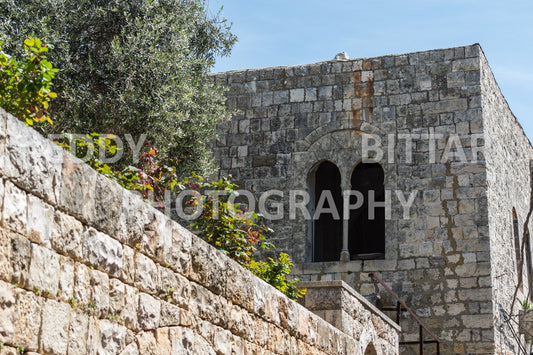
(288,119)
(88,268)
(508,155)
(342,306)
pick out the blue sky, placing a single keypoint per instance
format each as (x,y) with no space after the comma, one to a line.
(291,32)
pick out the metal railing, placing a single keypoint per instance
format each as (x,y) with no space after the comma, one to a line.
(400,305)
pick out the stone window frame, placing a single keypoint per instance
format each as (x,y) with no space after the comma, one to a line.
(341,146)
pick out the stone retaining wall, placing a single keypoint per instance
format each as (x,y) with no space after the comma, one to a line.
(88,268)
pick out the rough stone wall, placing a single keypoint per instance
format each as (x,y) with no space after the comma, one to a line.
(342,306)
(88,268)
(508,154)
(288,119)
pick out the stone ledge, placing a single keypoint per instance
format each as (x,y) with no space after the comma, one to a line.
(344,286)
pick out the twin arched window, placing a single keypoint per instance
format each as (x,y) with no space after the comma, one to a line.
(365,227)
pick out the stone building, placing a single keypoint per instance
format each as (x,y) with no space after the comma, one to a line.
(430,125)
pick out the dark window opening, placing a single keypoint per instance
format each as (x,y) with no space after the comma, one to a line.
(327,231)
(529,263)
(367,236)
(517,246)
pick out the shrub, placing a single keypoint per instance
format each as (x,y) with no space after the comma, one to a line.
(25,84)
(232,230)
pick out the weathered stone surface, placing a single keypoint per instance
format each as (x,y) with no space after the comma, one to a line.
(129,312)
(44,269)
(54,327)
(147,343)
(6,268)
(65,288)
(78,188)
(108,205)
(67,235)
(100,292)
(32,161)
(131,349)
(78,328)
(27,319)
(40,221)
(149,312)
(102,251)
(15,205)
(146,275)
(112,337)
(20,259)
(82,285)
(133,219)
(7,310)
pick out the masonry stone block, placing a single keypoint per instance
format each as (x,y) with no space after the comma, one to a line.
(65,288)
(44,269)
(55,327)
(15,204)
(32,162)
(112,337)
(78,188)
(27,319)
(149,312)
(107,205)
(67,235)
(146,275)
(6,268)
(100,292)
(82,285)
(102,251)
(40,221)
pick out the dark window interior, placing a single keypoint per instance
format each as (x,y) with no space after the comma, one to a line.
(327,231)
(517,246)
(529,263)
(367,236)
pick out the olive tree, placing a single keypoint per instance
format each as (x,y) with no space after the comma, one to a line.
(136,66)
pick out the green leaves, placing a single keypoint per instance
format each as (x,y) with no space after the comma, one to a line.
(235,232)
(25,85)
(133,67)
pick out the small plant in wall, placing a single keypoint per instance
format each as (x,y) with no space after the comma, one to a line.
(526,305)
(21,349)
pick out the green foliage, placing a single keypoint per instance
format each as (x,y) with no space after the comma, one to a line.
(235,232)
(225,225)
(25,84)
(132,67)
(275,272)
(526,305)
(150,177)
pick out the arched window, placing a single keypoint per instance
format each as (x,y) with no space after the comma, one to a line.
(327,241)
(517,246)
(367,224)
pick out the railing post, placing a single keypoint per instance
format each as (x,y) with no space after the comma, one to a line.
(421,340)
(438,348)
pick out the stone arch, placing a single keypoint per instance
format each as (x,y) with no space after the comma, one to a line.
(342,147)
